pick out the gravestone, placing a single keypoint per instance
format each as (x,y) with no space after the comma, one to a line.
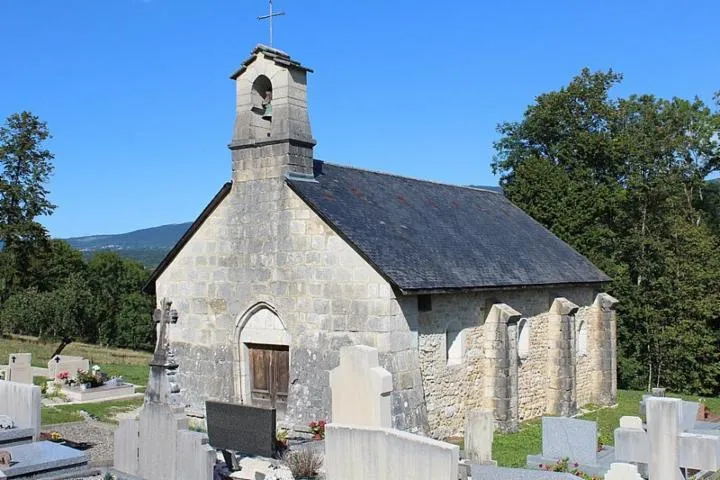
(245,429)
(664,447)
(67,363)
(21,402)
(623,471)
(630,422)
(479,430)
(567,438)
(19,368)
(361,389)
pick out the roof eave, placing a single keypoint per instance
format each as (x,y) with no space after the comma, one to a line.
(489,288)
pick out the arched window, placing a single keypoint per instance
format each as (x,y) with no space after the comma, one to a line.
(454,344)
(523,334)
(582,339)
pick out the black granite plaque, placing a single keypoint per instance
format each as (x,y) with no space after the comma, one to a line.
(244,429)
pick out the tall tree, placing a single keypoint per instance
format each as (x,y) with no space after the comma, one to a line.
(25,167)
(619,179)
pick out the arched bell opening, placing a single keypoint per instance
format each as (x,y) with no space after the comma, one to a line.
(262,98)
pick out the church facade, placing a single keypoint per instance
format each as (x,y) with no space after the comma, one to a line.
(470,303)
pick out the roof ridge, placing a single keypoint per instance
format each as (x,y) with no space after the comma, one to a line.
(424,180)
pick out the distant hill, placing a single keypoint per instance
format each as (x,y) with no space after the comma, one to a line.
(148,246)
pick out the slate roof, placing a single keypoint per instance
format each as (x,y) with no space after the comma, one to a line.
(428,237)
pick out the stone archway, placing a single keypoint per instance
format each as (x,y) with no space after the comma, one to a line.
(262,346)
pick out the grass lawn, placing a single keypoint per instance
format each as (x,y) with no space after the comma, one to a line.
(510,449)
(131,364)
(103,411)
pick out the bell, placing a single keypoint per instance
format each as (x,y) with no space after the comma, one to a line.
(267,114)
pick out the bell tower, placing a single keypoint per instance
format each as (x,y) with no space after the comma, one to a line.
(272,134)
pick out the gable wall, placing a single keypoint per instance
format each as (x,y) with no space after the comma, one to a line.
(264,244)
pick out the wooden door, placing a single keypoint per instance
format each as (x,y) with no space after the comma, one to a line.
(269,375)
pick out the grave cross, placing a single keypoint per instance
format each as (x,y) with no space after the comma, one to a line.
(269,17)
(163,317)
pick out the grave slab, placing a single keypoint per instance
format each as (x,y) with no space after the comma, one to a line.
(16,436)
(488,472)
(245,429)
(103,392)
(33,458)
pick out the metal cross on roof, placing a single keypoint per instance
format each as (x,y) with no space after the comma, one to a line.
(270,17)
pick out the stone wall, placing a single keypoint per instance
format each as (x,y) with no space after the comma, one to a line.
(452,390)
(532,372)
(280,254)
(584,367)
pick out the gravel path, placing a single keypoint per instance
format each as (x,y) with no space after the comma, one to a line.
(98,434)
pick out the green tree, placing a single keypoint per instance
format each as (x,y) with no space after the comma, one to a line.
(54,264)
(25,167)
(620,179)
(63,315)
(134,325)
(111,278)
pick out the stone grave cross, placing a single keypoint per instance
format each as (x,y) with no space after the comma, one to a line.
(665,447)
(361,389)
(163,367)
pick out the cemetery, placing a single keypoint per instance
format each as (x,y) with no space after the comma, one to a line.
(318,321)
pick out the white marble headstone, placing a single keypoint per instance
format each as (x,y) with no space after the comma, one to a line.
(361,389)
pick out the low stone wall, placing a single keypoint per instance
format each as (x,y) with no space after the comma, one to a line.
(360,453)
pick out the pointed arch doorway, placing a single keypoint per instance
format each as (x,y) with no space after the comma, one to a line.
(263,345)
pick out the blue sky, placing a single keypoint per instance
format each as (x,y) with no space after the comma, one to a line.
(137,95)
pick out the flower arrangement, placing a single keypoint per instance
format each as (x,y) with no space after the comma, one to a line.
(94,379)
(64,378)
(564,465)
(318,429)
(281,439)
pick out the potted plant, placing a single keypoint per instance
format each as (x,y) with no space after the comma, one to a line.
(304,464)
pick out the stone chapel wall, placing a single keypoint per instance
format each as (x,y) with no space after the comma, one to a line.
(532,370)
(280,253)
(453,390)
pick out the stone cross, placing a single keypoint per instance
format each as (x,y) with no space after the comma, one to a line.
(162,385)
(361,389)
(269,17)
(664,447)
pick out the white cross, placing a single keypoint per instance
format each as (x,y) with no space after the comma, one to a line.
(270,17)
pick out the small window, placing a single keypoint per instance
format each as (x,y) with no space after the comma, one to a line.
(582,339)
(523,334)
(454,344)
(424,303)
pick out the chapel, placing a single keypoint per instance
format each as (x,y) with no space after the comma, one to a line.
(471,303)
